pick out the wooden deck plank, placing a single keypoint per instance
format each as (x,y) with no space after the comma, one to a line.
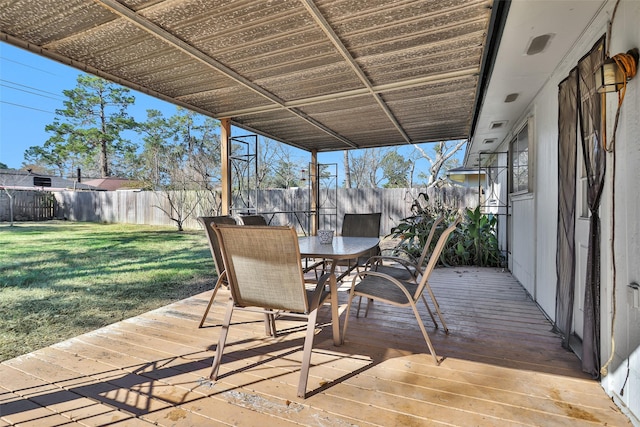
(503,366)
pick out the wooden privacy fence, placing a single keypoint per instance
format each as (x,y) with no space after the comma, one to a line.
(279,206)
(28,205)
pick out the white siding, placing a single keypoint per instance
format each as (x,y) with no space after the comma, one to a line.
(523,249)
(546,186)
(625,212)
(626,238)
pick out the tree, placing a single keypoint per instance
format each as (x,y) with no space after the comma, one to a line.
(156,133)
(396,170)
(277,166)
(347,170)
(364,166)
(3,166)
(180,161)
(53,157)
(88,131)
(440,160)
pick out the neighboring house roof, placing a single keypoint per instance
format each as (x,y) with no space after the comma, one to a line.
(467,177)
(465,171)
(25,180)
(113,183)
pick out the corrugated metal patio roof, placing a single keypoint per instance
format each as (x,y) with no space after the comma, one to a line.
(325,75)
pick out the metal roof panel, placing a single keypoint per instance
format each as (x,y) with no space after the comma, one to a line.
(323,75)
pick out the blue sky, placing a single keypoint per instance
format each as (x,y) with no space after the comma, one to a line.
(31,90)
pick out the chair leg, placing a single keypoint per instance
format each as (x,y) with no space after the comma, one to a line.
(221,341)
(346,316)
(213,296)
(429,310)
(270,324)
(437,307)
(306,356)
(369,303)
(424,333)
(366,311)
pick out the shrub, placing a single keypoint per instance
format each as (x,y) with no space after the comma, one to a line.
(473,243)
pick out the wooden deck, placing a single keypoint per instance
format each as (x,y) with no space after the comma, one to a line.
(503,366)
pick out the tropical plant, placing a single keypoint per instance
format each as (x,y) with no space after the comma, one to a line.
(414,230)
(473,243)
(476,242)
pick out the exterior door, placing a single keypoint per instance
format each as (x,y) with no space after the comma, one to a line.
(581,245)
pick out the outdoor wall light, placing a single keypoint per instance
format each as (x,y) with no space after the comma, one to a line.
(615,72)
(613,76)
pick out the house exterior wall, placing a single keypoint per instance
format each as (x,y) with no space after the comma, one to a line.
(625,213)
(620,217)
(26,180)
(468,180)
(522,259)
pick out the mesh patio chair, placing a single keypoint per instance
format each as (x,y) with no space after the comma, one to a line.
(214,246)
(360,225)
(253,220)
(384,288)
(264,271)
(403,267)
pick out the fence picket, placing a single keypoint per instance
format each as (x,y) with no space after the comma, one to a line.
(143,207)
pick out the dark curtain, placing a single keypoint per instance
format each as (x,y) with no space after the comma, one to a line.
(565,255)
(591,122)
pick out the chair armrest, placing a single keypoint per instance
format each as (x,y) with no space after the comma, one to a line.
(396,251)
(411,267)
(388,278)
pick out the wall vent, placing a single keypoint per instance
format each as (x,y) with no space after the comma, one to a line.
(511,97)
(539,44)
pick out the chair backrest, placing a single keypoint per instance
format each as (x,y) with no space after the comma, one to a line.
(263,267)
(361,225)
(425,250)
(433,260)
(214,245)
(253,220)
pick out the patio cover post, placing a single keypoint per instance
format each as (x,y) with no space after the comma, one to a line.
(315,194)
(225,154)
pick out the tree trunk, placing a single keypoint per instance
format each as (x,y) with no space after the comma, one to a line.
(347,170)
(104,164)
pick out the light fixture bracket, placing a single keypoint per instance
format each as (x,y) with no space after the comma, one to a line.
(610,77)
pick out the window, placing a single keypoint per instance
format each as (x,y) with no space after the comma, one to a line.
(519,149)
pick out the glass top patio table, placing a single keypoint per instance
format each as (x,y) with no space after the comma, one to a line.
(340,248)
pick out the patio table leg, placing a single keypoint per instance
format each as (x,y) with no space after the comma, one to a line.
(335,315)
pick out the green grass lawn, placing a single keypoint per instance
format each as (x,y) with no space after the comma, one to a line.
(61,279)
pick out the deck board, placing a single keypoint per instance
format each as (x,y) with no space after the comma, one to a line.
(503,366)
